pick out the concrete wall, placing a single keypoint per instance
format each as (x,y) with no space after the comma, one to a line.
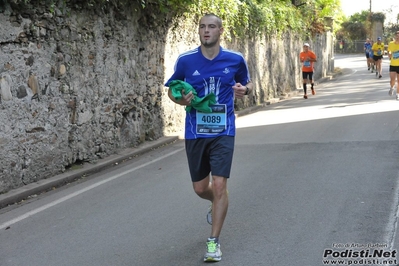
(78,85)
(377,30)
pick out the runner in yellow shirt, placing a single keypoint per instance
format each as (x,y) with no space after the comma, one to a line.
(393,53)
(378,49)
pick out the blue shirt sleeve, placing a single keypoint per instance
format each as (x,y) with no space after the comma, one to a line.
(242,75)
(178,74)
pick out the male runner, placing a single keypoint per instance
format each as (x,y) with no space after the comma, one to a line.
(209,137)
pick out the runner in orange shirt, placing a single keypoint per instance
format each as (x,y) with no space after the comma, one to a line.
(307,58)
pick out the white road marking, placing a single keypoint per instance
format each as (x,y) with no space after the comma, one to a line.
(45,207)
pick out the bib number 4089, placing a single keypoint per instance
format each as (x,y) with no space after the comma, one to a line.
(211,119)
(212,123)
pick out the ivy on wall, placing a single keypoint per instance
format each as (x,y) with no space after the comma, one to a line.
(241,18)
(249,18)
(378,16)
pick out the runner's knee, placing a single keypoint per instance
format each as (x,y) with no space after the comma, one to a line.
(201,187)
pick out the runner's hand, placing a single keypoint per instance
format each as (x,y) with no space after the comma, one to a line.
(239,90)
(186,98)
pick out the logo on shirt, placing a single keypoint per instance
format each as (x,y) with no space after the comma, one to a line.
(212,86)
(196,73)
(226,71)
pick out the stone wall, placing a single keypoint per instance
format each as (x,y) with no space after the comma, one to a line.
(77,85)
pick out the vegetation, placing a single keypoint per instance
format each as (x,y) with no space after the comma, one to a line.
(242,18)
(379,16)
(358,26)
(390,30)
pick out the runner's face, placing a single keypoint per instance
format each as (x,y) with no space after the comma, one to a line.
(397,36)
(209,31)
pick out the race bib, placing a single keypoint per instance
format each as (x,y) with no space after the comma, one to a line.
(379,52)
(212,123)
(306,63)
(395,55)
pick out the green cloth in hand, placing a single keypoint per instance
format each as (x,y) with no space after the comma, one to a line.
(200,104)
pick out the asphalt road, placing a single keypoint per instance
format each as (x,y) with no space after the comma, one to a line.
(313,181)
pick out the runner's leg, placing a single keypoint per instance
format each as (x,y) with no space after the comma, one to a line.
(220,204)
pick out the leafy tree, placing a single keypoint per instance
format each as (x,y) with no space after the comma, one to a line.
(328,8)
(363,17)
(356,27)
(353,31)
(390,30)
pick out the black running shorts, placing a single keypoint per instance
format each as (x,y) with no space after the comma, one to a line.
(209,155)
(306,74)
(394,69)
(377,57)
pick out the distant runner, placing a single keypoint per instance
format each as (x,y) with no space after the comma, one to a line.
(307,58)
(378,49)
(367,49)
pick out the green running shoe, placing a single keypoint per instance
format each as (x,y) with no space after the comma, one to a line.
(213,252)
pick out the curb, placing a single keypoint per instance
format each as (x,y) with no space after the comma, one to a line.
(17,195)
